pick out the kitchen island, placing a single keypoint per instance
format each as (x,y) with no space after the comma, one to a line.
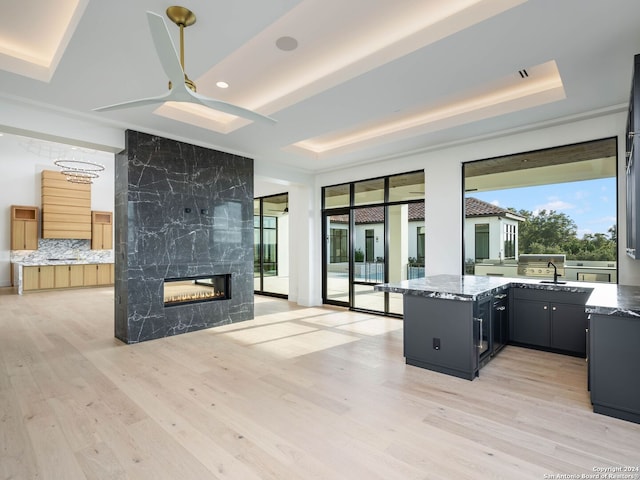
(451,327)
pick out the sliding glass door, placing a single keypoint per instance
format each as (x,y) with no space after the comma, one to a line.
(373,233)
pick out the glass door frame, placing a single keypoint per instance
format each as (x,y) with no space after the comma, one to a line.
(261,262)
(326,254)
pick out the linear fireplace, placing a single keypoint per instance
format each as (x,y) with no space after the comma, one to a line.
(203,288)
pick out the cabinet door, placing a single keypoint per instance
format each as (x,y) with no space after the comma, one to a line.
(568,328)
(30,277)
(24,235)
(31,235)
(47,276)
(90,275)
(104,274)
(531,323)
(62,276)
(76,275)
(107,237)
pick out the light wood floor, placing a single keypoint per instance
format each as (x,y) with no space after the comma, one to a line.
(297,393)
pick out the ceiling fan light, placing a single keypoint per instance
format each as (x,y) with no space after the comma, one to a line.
(222,84)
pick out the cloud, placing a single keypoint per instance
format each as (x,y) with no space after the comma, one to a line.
(495,203)
(554,204)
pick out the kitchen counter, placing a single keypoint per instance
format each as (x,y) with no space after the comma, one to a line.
(83,277)
(604,298)
(446,336)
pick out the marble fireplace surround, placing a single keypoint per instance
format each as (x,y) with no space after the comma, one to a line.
(180,211)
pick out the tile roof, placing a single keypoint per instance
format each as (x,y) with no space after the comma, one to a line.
(473,208)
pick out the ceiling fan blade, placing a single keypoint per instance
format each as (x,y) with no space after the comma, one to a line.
(137,103)
(165,48)
(230,108)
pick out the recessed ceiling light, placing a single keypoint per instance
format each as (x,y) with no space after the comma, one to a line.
(222,84)
(287,44)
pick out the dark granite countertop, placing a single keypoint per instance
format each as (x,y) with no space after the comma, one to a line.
(604,298)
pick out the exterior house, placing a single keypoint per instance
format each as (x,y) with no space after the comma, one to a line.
(490,232)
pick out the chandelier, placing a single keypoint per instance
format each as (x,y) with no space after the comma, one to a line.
(79,171)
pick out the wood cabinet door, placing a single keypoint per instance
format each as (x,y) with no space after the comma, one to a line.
(47,276)
(76,275)
(90,275)
(17,235)
(30,277)
(24,235)
(104,274)
(62,276)
(30,235)
(107,237)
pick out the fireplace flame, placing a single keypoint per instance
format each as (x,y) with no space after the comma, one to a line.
(193,296)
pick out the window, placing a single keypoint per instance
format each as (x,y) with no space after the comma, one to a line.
(560,201)
(420,245)
(509,241)
(482,241)
(338,245)
(369,245)
(269,245)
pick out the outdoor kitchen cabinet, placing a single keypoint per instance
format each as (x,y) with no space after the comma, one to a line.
(550,320)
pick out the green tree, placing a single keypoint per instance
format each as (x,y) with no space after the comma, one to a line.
(546,230)
(553,232)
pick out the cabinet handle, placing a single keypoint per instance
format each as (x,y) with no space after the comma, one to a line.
(500,309)
(553,308)
(545,307)
(480,334)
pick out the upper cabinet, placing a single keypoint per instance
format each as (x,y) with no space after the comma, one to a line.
(66,207)
(101,230)
(24,228)
(633,169)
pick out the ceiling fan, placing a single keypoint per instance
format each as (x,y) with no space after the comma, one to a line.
(181,88)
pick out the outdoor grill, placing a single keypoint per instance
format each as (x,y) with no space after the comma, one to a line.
(531,265)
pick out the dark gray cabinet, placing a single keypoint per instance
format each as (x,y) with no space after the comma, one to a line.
(614,357)
(499,322)
(442,335)
(549,320)
(632,177)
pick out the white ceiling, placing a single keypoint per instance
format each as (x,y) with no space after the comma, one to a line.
(369,79)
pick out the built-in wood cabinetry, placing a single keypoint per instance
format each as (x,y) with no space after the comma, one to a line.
(101,230)
(24,228)
(66,276)
(38,278)
(99,274)
(66,207)
(69,276)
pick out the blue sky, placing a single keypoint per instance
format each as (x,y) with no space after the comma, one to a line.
(591,203)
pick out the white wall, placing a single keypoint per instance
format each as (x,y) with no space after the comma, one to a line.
(21,161)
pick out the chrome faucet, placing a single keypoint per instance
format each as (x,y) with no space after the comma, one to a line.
(555,272)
